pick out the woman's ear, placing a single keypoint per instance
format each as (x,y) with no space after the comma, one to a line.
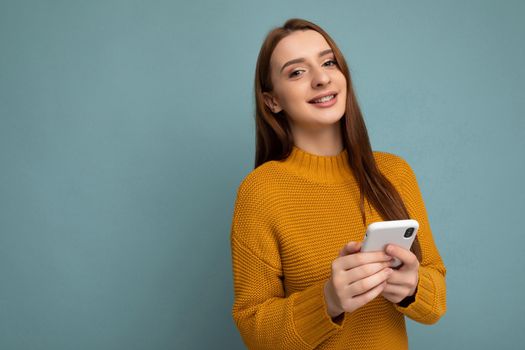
(271,102)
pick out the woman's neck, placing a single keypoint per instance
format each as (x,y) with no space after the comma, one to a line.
(324,142)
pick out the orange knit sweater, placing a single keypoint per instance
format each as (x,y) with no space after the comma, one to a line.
(291,218)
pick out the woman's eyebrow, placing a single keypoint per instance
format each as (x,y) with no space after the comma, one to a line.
(297,60)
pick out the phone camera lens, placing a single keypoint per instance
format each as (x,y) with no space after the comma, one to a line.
(409,232)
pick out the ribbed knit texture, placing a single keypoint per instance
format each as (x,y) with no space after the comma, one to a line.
(291,218)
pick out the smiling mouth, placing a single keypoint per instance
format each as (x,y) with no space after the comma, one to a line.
(323,100)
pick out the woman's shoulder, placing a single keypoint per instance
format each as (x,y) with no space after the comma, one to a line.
(260,180)
(388,158)
(390,164)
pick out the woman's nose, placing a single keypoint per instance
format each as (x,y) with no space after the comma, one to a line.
(320,77)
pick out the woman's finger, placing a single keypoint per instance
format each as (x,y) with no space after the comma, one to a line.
(404,255)
(395,289)
(405,278)
(350,248)
(364,298)
(351,261)
(363,285)
(364,271)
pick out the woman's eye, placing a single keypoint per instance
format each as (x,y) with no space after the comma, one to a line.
(334,62)
(292,74)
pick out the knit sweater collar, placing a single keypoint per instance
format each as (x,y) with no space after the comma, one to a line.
(322,169)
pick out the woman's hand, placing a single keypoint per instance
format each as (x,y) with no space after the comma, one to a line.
(357,277)
(402,282)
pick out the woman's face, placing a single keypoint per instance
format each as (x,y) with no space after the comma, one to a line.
(299,74)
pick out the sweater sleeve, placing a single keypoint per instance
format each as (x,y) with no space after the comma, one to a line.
(429,302)
(265,317)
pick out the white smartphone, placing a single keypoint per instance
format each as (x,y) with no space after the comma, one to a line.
(379,234)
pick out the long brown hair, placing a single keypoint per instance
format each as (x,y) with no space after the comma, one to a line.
(274,139)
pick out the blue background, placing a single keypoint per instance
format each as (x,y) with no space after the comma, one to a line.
(126,127)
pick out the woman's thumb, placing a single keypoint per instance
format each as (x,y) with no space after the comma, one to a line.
(350,248)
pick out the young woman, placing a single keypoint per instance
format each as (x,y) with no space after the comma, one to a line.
(300,279)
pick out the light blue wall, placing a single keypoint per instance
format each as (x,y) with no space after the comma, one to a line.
(126,127)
